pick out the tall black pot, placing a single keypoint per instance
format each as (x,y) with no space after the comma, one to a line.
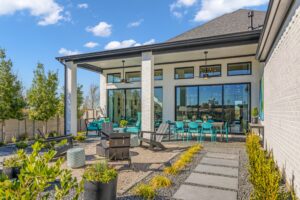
(97,190)
(11,172)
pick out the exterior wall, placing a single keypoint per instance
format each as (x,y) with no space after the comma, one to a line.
(168,83)
(282,99)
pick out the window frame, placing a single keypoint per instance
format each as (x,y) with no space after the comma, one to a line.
(162,74)
(133,72)
(249,62)
(113,79)
(216,65)
(184,68)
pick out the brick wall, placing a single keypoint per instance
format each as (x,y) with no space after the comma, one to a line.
(282,101)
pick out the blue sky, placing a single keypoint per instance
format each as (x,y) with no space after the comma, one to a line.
(39,30)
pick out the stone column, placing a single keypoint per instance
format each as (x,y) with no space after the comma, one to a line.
(103,95)
(71,98)
(147,87)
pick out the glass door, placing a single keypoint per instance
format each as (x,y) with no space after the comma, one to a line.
(133,105)
(210,102)
(116,105)
(237,106)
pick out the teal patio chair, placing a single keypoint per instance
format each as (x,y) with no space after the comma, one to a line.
(137,128)
(198,121)
(92,126)
(210,121)
(224,130)
(193,127)
(208,128)
(179,129)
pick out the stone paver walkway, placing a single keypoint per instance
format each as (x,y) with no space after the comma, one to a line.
(215,178)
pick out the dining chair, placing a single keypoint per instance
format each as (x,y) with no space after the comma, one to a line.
(193,127)
(208,128)
(179,128)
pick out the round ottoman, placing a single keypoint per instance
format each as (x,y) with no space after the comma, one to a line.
(75,157)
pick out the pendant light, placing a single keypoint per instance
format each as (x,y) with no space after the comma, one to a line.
(205,75)
(124,80)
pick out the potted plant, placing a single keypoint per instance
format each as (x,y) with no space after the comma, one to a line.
(254,115)
(11,167)
(100,182)
(123,124)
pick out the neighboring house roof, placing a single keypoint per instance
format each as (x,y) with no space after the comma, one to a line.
(235,22)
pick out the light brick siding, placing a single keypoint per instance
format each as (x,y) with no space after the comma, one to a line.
(282,101)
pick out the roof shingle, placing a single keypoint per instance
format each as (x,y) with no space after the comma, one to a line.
(234,22)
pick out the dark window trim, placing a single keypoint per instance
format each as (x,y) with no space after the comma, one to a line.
(184,68)
(162,74)
(249,62)
(216,65)
(134,72)
(113,74)
(216,84)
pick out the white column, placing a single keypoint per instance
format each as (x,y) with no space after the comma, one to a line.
(147,91)
(71,98)
(103,95)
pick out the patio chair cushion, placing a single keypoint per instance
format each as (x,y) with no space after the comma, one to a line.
(132,129)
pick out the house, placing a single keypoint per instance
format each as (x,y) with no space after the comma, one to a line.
(221,70)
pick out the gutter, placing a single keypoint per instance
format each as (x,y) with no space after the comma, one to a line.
(250,36)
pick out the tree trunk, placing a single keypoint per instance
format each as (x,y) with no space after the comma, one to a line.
(57,124)
(2,131)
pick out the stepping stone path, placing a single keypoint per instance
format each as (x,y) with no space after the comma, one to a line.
(215,178)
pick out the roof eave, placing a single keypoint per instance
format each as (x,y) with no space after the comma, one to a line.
(167,46)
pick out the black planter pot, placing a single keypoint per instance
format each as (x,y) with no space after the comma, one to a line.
(254,120)
(11,172)
(97,190)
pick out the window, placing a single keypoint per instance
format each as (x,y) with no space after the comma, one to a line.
(184,73)
(158,74)
(234,69)
(133,76)
(210,71)
(222,102)
(114,78)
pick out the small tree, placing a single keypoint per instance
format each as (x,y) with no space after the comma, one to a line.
(11,99)
(42,96)
(93,98)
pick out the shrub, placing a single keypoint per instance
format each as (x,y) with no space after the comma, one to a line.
(14,139)
(160,181)
(264,175)
(172,170)
(28,186)
(14,161)
(21,145)
(81,137)
(145,191)
(1,144)
(100,172)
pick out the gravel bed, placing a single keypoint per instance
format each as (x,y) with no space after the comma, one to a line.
(167,193)
(245,187)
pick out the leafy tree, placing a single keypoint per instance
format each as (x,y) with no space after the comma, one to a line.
(80,100)
(42,96)
(11,99)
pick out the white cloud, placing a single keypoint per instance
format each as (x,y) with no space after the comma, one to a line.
(83,5)
(66,52)
(102,29)
(48,11)
(126,43)
(211,9)
(179,5)
(152,41)
(136,23)
(91,44)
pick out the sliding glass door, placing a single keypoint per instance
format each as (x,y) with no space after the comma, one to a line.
(224,102)
(124,104)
